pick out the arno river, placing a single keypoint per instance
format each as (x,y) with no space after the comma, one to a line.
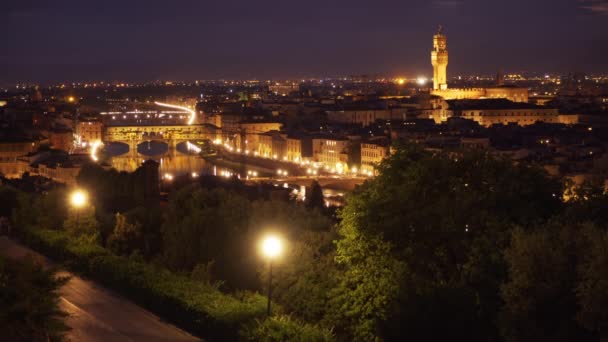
(175,162)
(179,161)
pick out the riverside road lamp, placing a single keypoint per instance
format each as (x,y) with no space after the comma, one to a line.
(272,247)
(78,199)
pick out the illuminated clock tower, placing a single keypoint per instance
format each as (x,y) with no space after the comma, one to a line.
(439,59)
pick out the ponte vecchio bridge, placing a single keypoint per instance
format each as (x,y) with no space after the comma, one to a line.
(172,135)
(170,127)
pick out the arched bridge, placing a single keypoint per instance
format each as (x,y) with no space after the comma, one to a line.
(134,135)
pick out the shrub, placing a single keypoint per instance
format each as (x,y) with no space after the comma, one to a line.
(284,328)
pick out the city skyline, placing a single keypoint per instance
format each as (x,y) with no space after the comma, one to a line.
(358,171)
(69,41)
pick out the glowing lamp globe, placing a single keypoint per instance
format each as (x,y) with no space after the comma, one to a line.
(272,247)
(78,198)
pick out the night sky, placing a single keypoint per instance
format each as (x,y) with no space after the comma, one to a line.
(52,41)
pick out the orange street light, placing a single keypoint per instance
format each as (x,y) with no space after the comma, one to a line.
(272,247)
(78,199)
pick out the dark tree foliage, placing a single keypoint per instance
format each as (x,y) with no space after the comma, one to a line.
(135,194)
(150,219)
(592,286)
(305,274)
(557,287)
(201,226)
(117,191)
(315,198)
(29,309)
(587,202)
(8,201)
(220,228)
(305,277)
(422,243)
(49,210)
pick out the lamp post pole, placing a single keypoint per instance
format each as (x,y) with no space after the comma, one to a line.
(78,219)
(269,286)
(271,247)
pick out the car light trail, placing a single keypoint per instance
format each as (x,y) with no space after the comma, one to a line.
(94,147)
(192,113)
(191,147)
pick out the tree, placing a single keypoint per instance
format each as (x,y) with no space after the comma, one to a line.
(588,202)
(430,229)
(305,273)
(150,218)
(204,225)
(315,199)
(592,288)
(369,284)
(47,211)
(557,288)
(126,237)
(29,302)
(118,191)
(52,208)
(540,302)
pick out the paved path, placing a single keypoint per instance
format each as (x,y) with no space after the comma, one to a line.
(98,314)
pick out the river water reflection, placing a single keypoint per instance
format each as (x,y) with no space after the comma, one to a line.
(179,161)
(176,162)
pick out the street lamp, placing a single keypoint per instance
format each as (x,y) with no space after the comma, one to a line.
(78,199)
(272,247)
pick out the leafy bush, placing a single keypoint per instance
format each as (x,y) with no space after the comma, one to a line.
(284,328)
(126,236)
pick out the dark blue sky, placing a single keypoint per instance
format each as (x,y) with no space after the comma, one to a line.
(142,40)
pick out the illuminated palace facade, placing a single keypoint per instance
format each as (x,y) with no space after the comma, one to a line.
(439,60)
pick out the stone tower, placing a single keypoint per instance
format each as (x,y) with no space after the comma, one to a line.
(439,59)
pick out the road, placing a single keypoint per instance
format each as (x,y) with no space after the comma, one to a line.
(98,314)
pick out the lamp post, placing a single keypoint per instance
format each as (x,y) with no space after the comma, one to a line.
(272,248)
(78,199)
